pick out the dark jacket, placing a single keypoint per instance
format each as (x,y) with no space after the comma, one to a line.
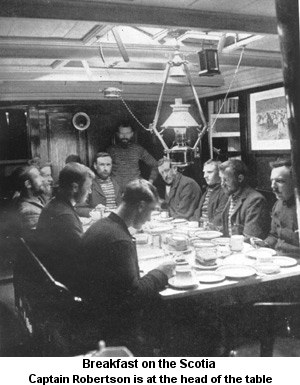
(250,217)
(111,277)
(184,197)
(29,210)
(59,232)
(283,236)
(97,196)
(216,204)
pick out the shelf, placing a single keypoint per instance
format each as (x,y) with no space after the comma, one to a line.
(225,116)
(225,134)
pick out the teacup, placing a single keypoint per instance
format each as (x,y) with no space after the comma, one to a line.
(183,273)
(236,242)
(179,242)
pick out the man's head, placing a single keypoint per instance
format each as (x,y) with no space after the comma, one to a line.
(233,174)
(124,134)
(211,172)
(281,179)
(140,199)
(103,165)
(75,181)
(167,170)
(30,181)
(46,173)
(73,158)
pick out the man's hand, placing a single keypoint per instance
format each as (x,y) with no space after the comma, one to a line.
(168,268)
(100,207)
(257,242)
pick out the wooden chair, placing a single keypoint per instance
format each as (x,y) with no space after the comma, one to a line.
(57,321)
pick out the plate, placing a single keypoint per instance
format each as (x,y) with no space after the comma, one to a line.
(237,259)
(160,229)
(285,261)
(258,252)
(224,241)
(208,234)
(183,284)
(181,261)
(267,268)
(210,277)
(237,271)
(179,221)
(161,219)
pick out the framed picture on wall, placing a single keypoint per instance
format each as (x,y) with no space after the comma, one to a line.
(268,121)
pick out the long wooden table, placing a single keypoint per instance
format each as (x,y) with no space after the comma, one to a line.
(261,287)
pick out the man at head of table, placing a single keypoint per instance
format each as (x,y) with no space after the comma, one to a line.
(214,199)
(59,228)
(126,156)
(182,193)
(283,236)
(111,276)
(246,211)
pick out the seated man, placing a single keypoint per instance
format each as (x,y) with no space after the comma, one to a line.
(246,210)
(59,229)
(213,201)
(111,277)
(46,172)
(29,204)
(182,193)
(105,189)
(283,236)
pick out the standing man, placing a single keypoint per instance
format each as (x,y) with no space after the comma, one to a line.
(213,201)
(29,204)
(283,236)
(111,276)
(182,193)
(126,156)
(59,228)
(246,210)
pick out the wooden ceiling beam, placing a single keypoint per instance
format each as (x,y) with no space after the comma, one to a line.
(140,53)
(117,13)
(113,75)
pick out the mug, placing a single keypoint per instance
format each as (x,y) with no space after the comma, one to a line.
(236,242)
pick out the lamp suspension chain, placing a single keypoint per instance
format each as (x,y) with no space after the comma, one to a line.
(132,114)
(229,88)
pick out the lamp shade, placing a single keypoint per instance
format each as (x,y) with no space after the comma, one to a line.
(180,117)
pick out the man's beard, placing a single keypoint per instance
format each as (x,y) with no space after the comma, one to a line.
(124,142)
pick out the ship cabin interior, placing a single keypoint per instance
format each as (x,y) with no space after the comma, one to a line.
(70,72)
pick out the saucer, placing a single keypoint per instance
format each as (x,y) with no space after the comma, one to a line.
(267,268)
(183,284)
(258,252)
(237,271)
(207,277)
(284,261)
(207,235)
